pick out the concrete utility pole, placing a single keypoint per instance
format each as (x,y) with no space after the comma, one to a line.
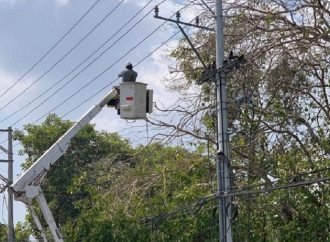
(9,152)
(222,162)
(222,166)
(11,232)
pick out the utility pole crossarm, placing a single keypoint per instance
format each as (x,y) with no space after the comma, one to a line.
(177,21)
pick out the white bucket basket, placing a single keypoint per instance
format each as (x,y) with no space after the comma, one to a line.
(133,100)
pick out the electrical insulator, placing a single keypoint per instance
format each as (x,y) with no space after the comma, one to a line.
(156,11)
(178,15)
(197,20)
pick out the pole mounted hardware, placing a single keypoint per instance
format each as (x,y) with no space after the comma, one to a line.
(178,22)
(229,65)
(210,71)
(208,7)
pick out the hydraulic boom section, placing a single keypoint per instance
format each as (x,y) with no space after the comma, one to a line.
(27,186)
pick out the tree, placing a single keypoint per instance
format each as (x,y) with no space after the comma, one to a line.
(60,186)
(22,232)
(3,232)
(282,131)
(135,199)
(102,189)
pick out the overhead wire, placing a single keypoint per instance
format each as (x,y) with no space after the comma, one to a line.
(104,72)
(111,83)
(62,58)
(96,77)
(51,49)
(203,200)
(265,184)
(100,90)
(100,74)
(81,63)
(302,184)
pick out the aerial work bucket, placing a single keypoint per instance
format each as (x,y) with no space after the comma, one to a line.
(135,100)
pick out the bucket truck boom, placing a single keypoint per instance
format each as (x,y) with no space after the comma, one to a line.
(27,187)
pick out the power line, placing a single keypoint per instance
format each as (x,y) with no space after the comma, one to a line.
(94,79)
(270,189)
(62,58)
(81,63)
(103,88)
(100,74)
(97,77)
(202,201)
(51,49)
(295,176)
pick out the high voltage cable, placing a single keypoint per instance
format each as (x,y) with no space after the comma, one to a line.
(84,61)
(103,72)
(202,201)
(106,71)
(63,57)
(272,183)
(51,49)
(106,86)
(91,81)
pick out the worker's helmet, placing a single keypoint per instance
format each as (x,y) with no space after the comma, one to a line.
(129,65)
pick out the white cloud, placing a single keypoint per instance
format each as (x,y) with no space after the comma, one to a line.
(62,3)
(7,81)
(59,3)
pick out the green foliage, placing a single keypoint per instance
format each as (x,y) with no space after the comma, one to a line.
(3,232)
(283,132)
(105,190)
(154,180)
(22,232)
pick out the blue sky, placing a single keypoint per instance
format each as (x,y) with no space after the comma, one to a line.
(29,28)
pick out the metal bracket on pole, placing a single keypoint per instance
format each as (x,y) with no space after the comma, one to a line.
(178,22)
(192,46)
(208,7)
(3,149)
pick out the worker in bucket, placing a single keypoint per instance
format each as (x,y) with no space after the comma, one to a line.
(128,75)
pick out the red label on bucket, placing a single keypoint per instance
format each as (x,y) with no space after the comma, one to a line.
(129,98)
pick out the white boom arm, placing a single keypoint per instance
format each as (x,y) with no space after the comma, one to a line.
(27,185)
(37,222)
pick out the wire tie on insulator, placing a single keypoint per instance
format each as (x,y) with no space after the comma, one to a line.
(178,15)
(156,11)
(197,20)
